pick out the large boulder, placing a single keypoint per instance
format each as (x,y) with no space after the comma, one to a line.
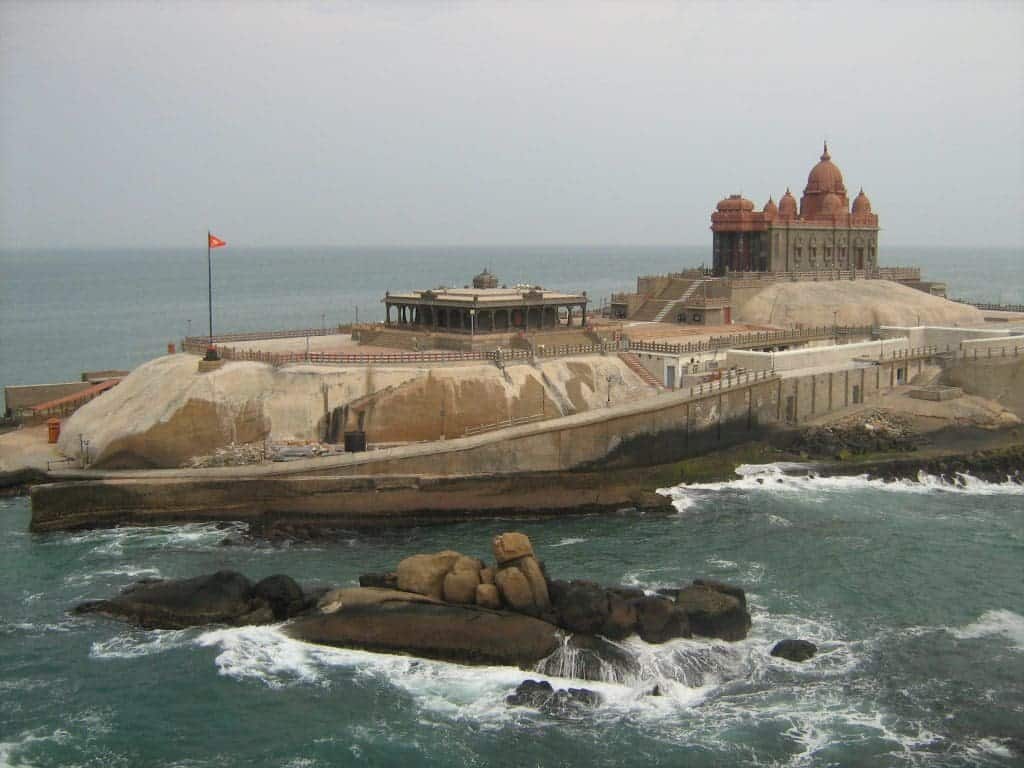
(580,606)
(487,596)
(515,590)
(794,650)
(721,586)
(424,574)
(538,583)
(452,633)
(712,613)
(511,546)
(460,587)
(225,597)
(660,620)
(282,594)
(622,617)
(357,597)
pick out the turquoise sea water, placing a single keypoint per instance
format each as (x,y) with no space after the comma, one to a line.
(913,591)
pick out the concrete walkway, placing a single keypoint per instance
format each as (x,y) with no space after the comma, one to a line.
(27,448)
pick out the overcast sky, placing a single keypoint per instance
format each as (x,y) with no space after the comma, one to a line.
(345,123)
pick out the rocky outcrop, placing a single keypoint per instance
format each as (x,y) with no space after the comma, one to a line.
(848,302)
(442,605)
(794,650)
(225,597)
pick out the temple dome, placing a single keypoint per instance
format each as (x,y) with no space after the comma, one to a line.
(831,204)
(787,205)
(825,176)
(735,203)
(861,204)
(770,208)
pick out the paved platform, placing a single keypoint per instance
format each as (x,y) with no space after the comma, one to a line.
(26,448)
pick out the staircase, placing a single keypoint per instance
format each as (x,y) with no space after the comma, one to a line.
(633,363)
(663,312)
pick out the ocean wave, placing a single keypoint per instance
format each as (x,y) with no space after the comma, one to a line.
(113,541)
(568,542)
(999,623)
(785,478)
(140,643)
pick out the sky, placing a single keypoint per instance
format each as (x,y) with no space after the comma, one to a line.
(138,124)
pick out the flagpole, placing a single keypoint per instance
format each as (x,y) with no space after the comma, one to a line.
(209,274)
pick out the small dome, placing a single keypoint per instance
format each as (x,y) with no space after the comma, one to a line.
(861,204)
(825,176)
(735,203)
(770,208)
(787,205)
(831,204)
(485,280)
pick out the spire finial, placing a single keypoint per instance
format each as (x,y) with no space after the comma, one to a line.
(825,155)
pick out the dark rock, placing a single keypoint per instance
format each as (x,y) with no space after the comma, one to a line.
(626,593)
(383,580)
(464,634)
(659,620)
(621,621)
(530,693)
(540,695)
(713,614)
(794,650)
(725,589)
(588,657)
(281,593)
(224,597)
(580,606)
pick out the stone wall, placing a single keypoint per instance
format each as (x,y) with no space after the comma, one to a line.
(815,357)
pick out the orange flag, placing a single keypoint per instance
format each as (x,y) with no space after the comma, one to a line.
(216,242)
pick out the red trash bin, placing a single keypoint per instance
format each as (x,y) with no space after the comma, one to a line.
(53,430)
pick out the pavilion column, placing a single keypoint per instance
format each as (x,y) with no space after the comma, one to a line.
(387,314)
(584,318)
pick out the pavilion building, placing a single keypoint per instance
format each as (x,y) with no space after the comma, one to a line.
(483,310)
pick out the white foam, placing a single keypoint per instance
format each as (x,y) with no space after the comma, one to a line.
(994,624)
(140,643)
(567,542)
(779,478)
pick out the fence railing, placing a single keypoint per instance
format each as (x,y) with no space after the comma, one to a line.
(992,307)
(200,343)
(753,339)
(821,275)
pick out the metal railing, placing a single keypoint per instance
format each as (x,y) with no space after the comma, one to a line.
(753,339)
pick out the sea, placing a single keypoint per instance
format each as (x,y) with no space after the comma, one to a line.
(913,591)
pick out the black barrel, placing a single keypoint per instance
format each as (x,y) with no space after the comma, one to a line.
(355,442)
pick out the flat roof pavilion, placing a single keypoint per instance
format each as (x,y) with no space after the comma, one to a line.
(483,310)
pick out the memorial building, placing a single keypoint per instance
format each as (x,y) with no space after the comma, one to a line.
(826,233)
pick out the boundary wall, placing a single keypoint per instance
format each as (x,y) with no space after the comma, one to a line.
(816,357)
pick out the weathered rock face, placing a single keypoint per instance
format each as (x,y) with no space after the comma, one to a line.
(281,593)
(166,412)
(515,590)
(713,613)
(359,597)
(794,650)
(460,587)
(590,657)
(659,620)
(511,546)
(225,597)
(858,302)
(580,606)
(452,633)
(424,574)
